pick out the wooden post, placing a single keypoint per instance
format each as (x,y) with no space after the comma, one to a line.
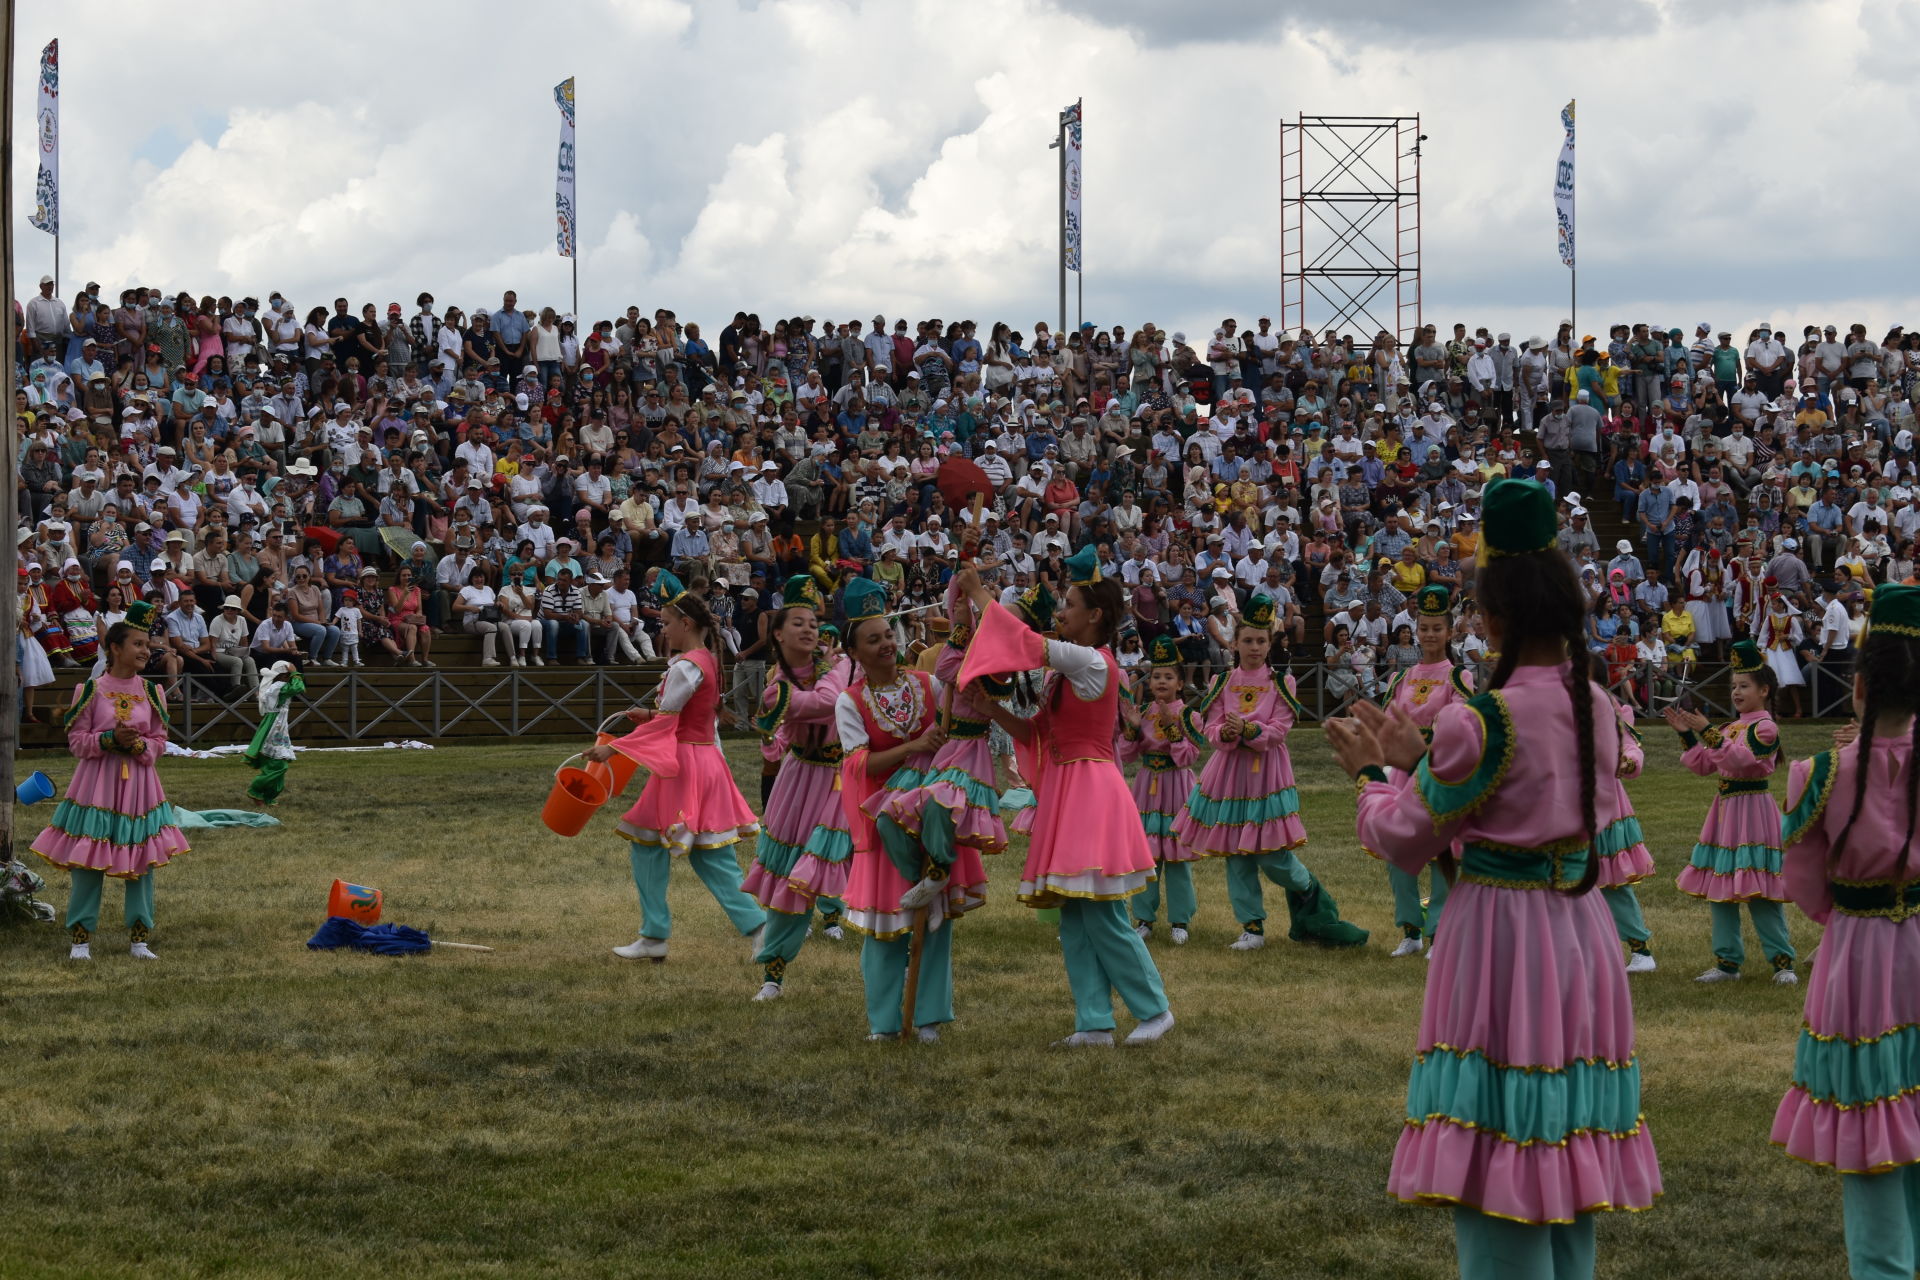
(9,450)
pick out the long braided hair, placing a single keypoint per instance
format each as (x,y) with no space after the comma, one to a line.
(1889,666)
(1536,597)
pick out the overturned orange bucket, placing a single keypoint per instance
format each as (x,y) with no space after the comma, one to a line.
(355,902)
(576,796)
(618,771)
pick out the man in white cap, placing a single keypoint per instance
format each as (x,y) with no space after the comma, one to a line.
(233,645)
(771,492)
(47,318)
(1626,562)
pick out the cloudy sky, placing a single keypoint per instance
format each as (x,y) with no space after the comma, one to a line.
(839,158)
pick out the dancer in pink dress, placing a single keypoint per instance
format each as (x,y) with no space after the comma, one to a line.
(1851,865)
(1523,1107)
(889,726)
(1624,860)
(115,819)
(1423,691)
(1737,858)
(1162,737)
(804,845)
(1088,852)
(690,806)
(1244,808)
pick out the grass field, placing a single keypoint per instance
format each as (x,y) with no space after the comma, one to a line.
(244,1107)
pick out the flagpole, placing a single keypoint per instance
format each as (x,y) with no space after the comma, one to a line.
(1080,276)
(576,213)
(1573,268)
(1061,142)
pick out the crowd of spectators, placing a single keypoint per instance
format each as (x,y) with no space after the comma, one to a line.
(338,486)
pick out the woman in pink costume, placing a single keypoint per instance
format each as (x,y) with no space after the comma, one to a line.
(115,819)
(1523,1107)
(690,806)
(1088,853)
(1850,865)
(1737,858)
(1423,691)
(804,845)
(1624,860)
(960,779)
(1164,740)
(1244,808)
(889,728)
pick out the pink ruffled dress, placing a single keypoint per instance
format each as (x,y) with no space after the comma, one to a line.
(1165,747)
(1524,1099)
(804,847)
(1245,801)
(960,776)
(114,817)
(873,885)
(1854,1105)
(1737,857)
(1624,859)
(690,801)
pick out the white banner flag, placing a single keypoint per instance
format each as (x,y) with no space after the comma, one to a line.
(1563,189)
(46,188)
(1072,115)
(563,208)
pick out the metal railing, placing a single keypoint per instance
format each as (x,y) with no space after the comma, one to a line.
(440,703)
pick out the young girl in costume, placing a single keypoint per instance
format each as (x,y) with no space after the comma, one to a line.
(1423,691)
(1523,1107)
(1245,808)
(1624,860)
(1162,737)
(1087,854)
(114,819)
(889,726)
(803,823)
(690,805)
(271,750)
(1737,858)
(1851,865)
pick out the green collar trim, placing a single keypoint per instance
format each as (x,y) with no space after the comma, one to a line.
(1807,810)
(1448,800)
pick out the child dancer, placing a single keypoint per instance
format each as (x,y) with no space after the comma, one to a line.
(115,819)
(1245,808)
(803,822)
(690,806)
(348,618)
(1737,858)
(1166,742)
(1086,854)
(271,750)
(1423,691)
(1850,865)
(1523,1107)
(1624,860)
(889,726)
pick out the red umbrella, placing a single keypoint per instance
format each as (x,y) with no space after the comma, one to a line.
(964,485)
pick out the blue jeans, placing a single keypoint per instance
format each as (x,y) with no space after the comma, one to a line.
(322,641)
(1661,549)
(550,628)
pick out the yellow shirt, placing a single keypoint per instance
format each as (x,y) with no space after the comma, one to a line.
(1677,627)
(1609,381)
(1409,578)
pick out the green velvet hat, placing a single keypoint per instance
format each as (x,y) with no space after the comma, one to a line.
(1037,603)
(668,587)
(1747,657)
(1164,654)
(1896,611)
(141,615)
(864,598)
(1259,613)
(802,592)
(1435,601)
(1083,566)
(1516,519)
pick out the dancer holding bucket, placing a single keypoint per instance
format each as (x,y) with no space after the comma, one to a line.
(695,810)
(804,845)
(115,819)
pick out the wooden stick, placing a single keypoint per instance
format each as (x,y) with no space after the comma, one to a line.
(908,1032)
(464,946)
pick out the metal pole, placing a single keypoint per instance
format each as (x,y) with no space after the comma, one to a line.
(576,215)
(1061,142)
(9,449)
(1080,276)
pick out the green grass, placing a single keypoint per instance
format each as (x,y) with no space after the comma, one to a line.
(247,1108)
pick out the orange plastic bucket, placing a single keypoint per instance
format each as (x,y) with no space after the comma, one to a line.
(618,771)
(355,902)
(576,796)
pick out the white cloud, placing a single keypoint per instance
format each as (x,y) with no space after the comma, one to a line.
(842,158)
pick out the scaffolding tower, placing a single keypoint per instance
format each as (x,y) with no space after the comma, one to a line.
(1350,225)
